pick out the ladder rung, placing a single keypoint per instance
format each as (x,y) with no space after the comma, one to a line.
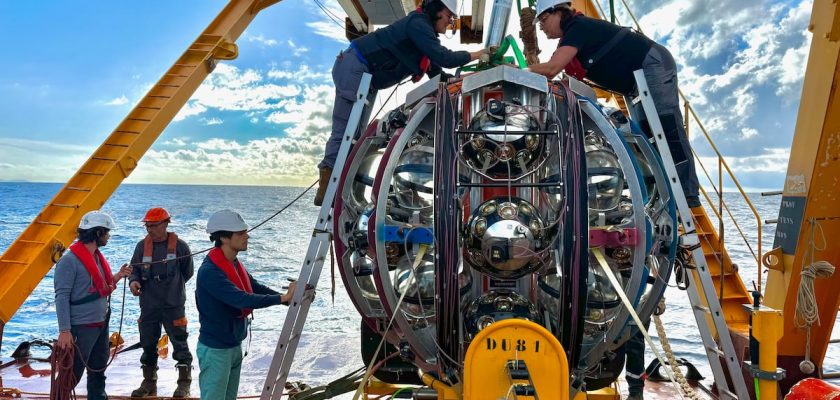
(717,351)
(185,65)
(727,393)
(104,159)
(116,145)
(169,85)
(157,96)
(129,132)
(91,173)
(703,309)
(139,119)
(178,75)
(47,223)
(65,205)
(31,241)
(14,261)
(78,189)
(149,108)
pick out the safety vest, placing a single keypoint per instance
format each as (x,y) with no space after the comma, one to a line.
(148,245)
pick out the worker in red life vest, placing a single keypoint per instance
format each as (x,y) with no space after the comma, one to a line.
(83,284)
(164,265)
(607,54)
(226,295)
(409,47)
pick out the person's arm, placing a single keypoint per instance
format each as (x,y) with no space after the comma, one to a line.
(423,36)
(186,263)
(65,276)
(262,289)
(225,291)
(561,57)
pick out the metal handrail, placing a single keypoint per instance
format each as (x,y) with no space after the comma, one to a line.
(721,166)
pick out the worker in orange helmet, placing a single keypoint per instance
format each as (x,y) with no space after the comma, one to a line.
(163,265)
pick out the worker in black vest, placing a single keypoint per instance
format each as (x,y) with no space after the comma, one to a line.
(163,265)
(409,47)
(606,55)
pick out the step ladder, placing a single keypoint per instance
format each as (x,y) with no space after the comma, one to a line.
(319,245)
(701,291)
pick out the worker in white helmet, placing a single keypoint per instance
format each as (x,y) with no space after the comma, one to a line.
(226,295)
(607,54)
(83,284)
(408,47)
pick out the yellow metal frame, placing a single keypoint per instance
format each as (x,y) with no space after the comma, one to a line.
(25,263)
(811,190)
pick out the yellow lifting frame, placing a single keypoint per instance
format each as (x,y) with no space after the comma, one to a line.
(25,263)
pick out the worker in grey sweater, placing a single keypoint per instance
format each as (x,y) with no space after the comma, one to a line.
(83,285)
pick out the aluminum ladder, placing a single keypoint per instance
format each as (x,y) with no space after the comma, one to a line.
(310,272)
(701,287)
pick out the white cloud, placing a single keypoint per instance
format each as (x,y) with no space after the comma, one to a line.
(303,73)
(261,40)
(328,29)
(212,121)
(117,101)
(296,49)
(175,142)
(43,161)
(230,89)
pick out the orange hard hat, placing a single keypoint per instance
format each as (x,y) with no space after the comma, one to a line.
(156,214)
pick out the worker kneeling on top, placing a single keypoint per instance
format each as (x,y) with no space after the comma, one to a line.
(408,47)
(164,265)
(83,284)
(607,55)
(226,295)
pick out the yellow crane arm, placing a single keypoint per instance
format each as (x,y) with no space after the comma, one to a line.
(32,254)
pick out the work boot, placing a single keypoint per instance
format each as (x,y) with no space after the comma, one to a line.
(323,181)
(148,388)
(184,380)
(636,396)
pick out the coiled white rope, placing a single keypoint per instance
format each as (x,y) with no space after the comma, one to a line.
(807,310)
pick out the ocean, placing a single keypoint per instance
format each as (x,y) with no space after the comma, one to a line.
(329,346)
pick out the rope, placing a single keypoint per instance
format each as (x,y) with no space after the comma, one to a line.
(528,34)
(672,361)
(620,291)
(807,310)
(62,380)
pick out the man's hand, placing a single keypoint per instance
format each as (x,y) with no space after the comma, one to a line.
(135,288)
(65,340)
(125,270)
(287,298)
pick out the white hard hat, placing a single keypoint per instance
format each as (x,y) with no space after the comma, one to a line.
(96,219)
(545,5)
(226,220)
(452,5)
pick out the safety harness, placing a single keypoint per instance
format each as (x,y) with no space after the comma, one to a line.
(578,68)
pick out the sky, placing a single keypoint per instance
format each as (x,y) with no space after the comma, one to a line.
(72,70)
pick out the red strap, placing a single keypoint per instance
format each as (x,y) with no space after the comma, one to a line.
(98,275)
(235,274)
(171,244)
(575,69)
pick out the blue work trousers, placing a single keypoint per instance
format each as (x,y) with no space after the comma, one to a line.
(220,370)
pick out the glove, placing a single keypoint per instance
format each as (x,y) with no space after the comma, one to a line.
(485,56)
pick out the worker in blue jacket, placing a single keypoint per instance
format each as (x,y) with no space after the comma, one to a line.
(409,47)
(226,295)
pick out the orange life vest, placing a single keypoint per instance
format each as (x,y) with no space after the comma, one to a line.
(171,244)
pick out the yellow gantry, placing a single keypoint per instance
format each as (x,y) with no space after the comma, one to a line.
(809,218)
(32,254)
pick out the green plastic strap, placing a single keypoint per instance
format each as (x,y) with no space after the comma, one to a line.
(509,42)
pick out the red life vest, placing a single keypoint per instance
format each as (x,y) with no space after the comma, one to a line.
(103,280)
(171,244)
(235,273)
